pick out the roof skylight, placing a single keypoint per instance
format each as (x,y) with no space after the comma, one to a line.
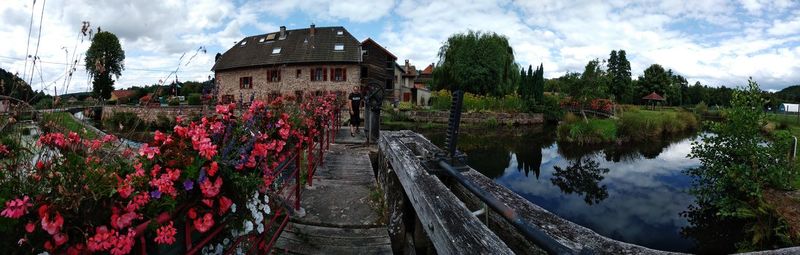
(338,47)
(276,50)
(340,32)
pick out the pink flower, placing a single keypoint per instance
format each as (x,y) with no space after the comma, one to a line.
(124,220)
(124,189)
(3,149)
(224,205)
(149,151)
(123,243)
(52,226)
(60,238)
(208,150)
(102,239)
(204,223)
(109,138)
(30,227)
(166,234)
(180,131)
(210,189)
(17,208)
(212,170)
(161,137)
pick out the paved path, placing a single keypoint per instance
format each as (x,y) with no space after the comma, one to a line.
(341,215)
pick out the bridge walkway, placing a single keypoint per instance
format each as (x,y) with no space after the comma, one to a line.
(342,207)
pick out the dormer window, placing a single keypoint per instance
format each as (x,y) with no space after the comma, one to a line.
(276,50)
(338,47)
(339,33)
(242,43)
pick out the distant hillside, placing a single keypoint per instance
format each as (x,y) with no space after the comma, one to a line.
(789,94)
(15,87)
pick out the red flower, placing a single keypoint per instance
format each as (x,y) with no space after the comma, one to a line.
(52,225)
(204,223)
(124,220)
(149,151)
(102,239)
(124,189)
(60,238)
(192,213)
(224,205)
(17,207)
(76,249)
(30,227)
(212,170)
(210,189)
(166,234)
(3,149)
(123,244)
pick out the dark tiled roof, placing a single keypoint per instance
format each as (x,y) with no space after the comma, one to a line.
(297,47)
(369,40)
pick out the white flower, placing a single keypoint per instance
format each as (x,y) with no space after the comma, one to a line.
(260,228)
(205,250)
(219,249)
(233,208)
(226,241)
(239,251)
(248,227)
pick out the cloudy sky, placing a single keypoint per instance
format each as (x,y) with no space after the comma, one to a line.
(717,42)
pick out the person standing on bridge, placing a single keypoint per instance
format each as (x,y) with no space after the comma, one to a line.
(356,99)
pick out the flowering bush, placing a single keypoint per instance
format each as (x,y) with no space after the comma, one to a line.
(597,104)
(87,195)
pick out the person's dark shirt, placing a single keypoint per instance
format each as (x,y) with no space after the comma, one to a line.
(355,100)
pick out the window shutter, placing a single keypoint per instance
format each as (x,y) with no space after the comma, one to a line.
(279,75)
(324,74)
(240,82)
(312,74)
(344,74)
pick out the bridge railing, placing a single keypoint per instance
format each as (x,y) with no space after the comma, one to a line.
(453,220)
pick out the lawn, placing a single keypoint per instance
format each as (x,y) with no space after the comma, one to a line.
(65,122)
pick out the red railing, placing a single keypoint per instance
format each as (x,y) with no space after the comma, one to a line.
(289,173)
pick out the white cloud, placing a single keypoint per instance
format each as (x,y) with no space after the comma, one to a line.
(357,11)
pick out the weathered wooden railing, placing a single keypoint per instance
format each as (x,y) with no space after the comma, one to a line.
(431,212)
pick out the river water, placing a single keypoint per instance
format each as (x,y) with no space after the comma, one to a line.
(634,193)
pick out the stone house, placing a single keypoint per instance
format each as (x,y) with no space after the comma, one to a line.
(290,62)
(407,82)
(421,93)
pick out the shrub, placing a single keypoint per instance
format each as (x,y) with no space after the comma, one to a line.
(641,125)
(595,131)
(194,99)
(570,118)
(174,101)
(701,108)
(441,100)
(124,121)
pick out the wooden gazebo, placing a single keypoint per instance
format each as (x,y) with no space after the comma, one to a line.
(653,98)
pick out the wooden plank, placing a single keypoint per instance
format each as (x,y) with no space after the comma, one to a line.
(451,227)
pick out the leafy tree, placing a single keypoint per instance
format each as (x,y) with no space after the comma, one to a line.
(538,84)
(480,63)
(591,85)
(13,86)
(655,79)
(104,58)
(738,163)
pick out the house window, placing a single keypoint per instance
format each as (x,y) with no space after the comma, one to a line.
(273,75)
(276,50)
(246,82)
(226,99)
(340,33)
(339,74)
(298,73)
(319,74)
(365,52)
(338,47)
(364,71)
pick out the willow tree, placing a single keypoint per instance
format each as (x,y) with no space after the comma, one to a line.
(477,62)
(103,59)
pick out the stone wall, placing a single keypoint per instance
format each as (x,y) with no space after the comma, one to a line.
(478,117)
(150,114)
(228,81)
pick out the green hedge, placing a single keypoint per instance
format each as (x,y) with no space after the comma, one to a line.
(194,99)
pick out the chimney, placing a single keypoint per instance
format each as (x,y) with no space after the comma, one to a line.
(406,65)
(311,30)
(283,32)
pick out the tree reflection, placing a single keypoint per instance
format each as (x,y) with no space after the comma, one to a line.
(712,234)
(582,177)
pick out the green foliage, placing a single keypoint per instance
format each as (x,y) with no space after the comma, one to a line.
(592,131)
(641,125)
(476,103)
(738,163)
(194,99)
(13,86)
(124,121)
(479,63)
(104,58)
(591,84)
(701,108)
(619,71)
(173,101)
(655,79)
(63,122)
(550,108)
(45,103)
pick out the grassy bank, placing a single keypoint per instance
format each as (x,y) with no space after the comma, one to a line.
(632,125)
(64,122)
(790,123)
(441,101)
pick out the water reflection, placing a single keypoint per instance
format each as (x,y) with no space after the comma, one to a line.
(633,192)
(582,177)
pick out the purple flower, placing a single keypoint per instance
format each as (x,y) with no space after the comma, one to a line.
(202,175)
(188,184)
(155,194)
